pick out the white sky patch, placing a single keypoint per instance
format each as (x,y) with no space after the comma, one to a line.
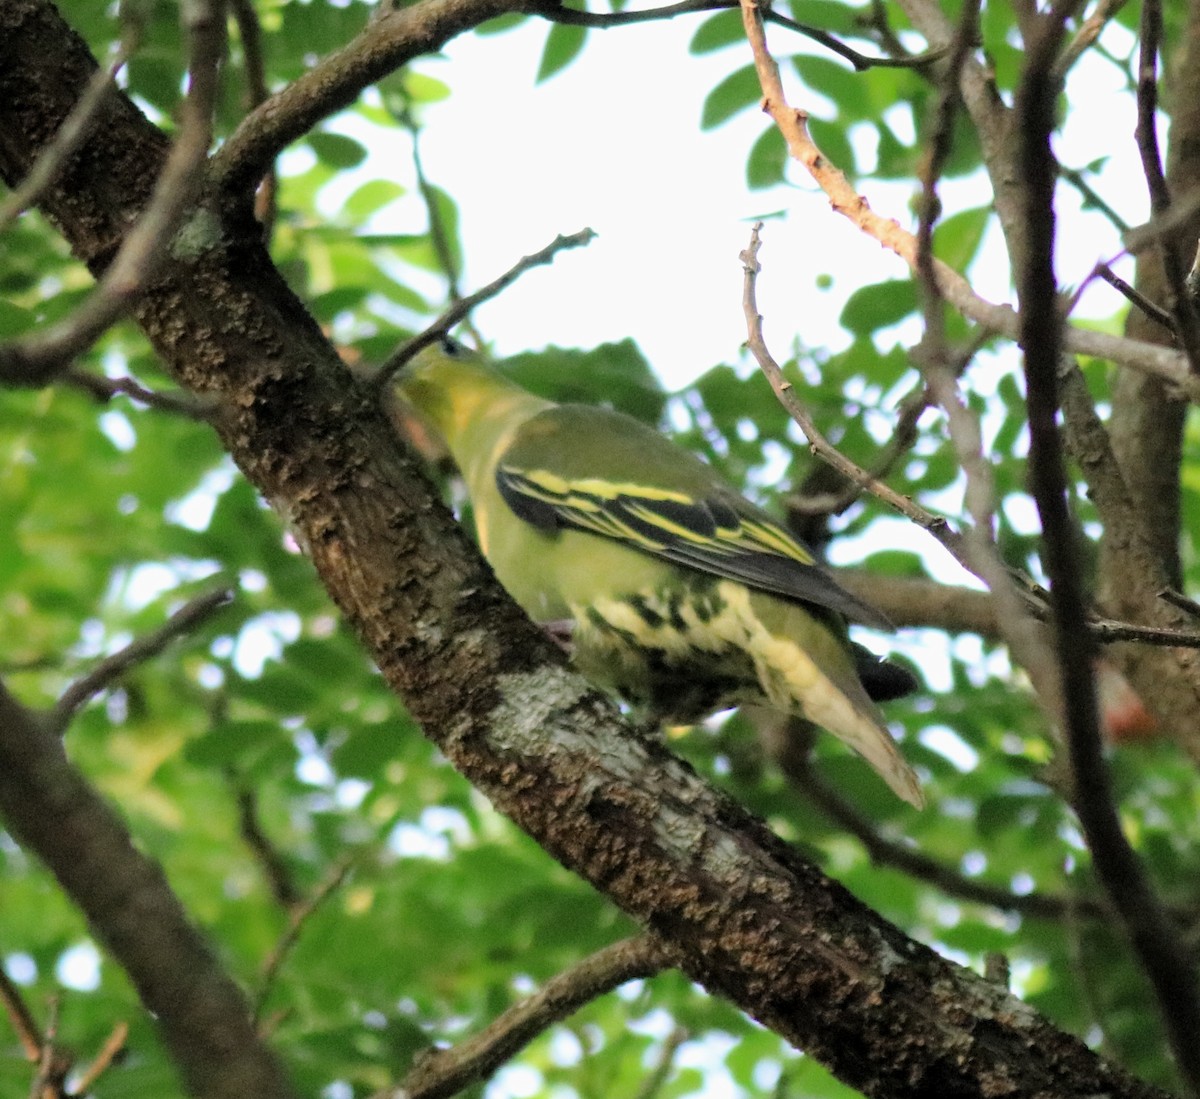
(79,968)
(118,430)
(21,968)
(262,639)
(950,746)
(195,510)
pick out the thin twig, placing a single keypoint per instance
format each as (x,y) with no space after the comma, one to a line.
(1161,953)
(105,389)
(439,234)
(936,525)
(69,137)
(250,32)
(187,618)
(113,1046)
(1183,313)
(911,407)
(654,1082)
(1136,297)
(1178,599)
(1092,199)
(1089,30)
(444,1072)
(1149,358)
(976,552)
(22,1020)
(53,1065)
(860,61)
(792,758)
(298,916)
(279,878)
(462,308)
(1108,631)
(39,359)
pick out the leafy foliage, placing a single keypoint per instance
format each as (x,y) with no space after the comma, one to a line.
(111,516)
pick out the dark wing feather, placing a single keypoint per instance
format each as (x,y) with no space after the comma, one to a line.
(723,536)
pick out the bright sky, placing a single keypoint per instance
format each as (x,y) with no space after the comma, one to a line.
(613,142)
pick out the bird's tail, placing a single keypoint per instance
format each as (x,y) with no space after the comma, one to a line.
(804,667)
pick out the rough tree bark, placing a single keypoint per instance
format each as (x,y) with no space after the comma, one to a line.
(742,912)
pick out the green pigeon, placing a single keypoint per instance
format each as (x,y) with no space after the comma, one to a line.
(682,596)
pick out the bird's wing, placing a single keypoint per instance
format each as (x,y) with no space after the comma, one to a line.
(717,533)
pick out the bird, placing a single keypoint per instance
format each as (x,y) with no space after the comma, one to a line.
(680,595)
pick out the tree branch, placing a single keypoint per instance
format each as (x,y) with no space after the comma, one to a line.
(440,1073)
(556,13)
(384,45)
(39,359)
(1163,956)
(463,307)
(203,1017)
(298,915)
(190,615)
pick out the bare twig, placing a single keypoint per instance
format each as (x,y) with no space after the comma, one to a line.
(113,1046)
(298,916)
(69,137)
(105,389)
(250,32)
(50,810)
(936,525)
(444,1072)
(439,233)
(1149,358)
(39,360)
(791,753)
(911,407)
(933,162)
(1089,30)
(275,870)
(190,615)
(653,1083)
(462,308)
(19,1015)
(1183,312)
(53,1065)
(1135,296)
(1178,599)
(1092,199)
(1107,631)
(860,61)
(1163,957)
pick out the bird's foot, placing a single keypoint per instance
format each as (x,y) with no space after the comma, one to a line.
(562,632)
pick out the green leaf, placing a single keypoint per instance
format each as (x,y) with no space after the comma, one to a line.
(832,141)
(735,93)
(337,150)
(879,305)
(370,198)
(767,162)
(230,742)
(718,31)
(956,239)
(834,80)
(563,44)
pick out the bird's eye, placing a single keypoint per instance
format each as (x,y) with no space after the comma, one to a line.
(453,348)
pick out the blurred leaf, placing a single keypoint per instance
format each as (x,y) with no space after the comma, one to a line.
(735,93)
(717,31)
(564,43)
(337,150)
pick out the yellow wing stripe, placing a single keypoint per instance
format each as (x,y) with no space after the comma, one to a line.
(589,501)
(596,487)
